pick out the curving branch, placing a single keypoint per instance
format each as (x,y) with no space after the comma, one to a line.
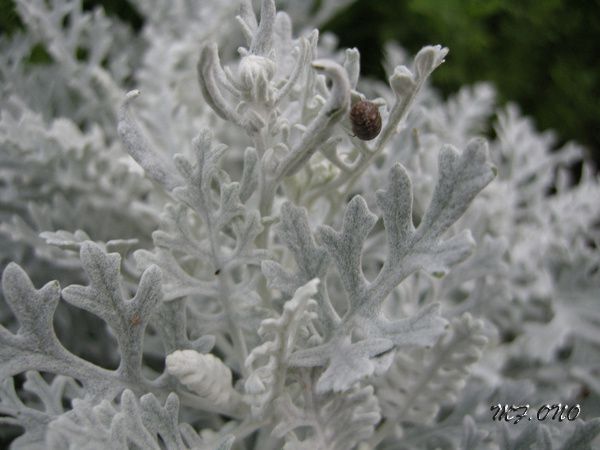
(321,126)
(157,166)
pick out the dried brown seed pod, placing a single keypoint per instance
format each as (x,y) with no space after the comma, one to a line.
(365,119)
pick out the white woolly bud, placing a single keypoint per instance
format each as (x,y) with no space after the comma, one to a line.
(324,171)
(252,68)
(204,374)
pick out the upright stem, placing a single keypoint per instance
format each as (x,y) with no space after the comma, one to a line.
(267,196)
(239,342)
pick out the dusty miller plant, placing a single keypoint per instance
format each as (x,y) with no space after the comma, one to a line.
(237,269)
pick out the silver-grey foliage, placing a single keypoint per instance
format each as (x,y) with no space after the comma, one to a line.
(235,269)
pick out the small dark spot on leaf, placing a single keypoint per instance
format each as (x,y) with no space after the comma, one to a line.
(136,320)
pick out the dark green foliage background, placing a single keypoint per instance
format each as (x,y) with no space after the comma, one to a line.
(544,55)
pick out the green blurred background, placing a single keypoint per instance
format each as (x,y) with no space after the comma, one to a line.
(544,55)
